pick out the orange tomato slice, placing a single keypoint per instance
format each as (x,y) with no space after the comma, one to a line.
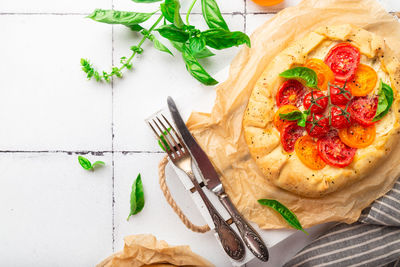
(364,81)
(358,136)
(278,122)
(307,151)
(324,73)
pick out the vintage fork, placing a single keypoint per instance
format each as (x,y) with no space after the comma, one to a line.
(180,156)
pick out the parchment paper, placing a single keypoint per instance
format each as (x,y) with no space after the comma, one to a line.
(221,136)
(146,250)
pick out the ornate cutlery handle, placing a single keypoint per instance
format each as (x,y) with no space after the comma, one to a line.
(250,237)
(230,241)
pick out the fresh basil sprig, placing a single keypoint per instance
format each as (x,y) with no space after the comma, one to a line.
(186,38)
(286,213)
(87,165)
(297,115)
(137,197)
(385,101)
(306,74)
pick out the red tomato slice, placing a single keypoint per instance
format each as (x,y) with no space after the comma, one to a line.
(334,152)
(317,125)
(290,93)
(289,135)
(363,110)
(321,103)
(343,59)
(336,97)
(338,119)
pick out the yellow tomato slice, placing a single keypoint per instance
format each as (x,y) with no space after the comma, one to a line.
(364,81)
(307,151)
(324,73)
(267,2)
(357,136)
(278,122)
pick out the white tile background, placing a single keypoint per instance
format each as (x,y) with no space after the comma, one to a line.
(53,213)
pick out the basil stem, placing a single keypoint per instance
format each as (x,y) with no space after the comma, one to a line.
(286,213)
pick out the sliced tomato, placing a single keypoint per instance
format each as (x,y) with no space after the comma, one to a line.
(317,125)
(307,151)
(343,59)
(338,96)
(339,118)
(358,136)
(278,122)
(363,109)
(334,152)
(364,81)
(289,135)
(324,73)
(318,99)
(290,93)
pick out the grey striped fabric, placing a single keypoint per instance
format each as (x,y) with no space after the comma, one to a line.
(373,241)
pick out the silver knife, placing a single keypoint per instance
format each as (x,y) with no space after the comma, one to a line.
(250,237)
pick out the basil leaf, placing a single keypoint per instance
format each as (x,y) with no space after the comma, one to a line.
(287,214)
(304,73)
(212,15)
(300,117)
(164,143)
(158,45)
(385,101)
(119,17)
(136,27)
(197,44)
(173,33)
(291,116)
(98,163)
(137,197)
(85,163)
(146,1)
(221,39)
(202,54)
(170,10)
(195,69)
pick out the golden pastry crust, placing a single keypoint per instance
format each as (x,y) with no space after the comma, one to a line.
(284,169)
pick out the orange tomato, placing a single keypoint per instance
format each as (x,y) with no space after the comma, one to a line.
(307,151)
(324,73)
(267,2)
(364,81)
(357,136)
(278,122)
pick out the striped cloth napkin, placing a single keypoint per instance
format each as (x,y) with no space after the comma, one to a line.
(372,241)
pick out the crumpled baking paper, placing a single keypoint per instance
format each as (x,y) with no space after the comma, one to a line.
(220,133)
(146,250)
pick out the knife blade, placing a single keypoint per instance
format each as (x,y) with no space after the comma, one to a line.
(250,237)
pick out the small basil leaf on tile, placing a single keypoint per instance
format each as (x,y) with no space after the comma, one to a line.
(159,46)
(137,197)
(98,163)
(286,213)
(85,163)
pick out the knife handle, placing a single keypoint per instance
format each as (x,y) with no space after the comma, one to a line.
(230,240)
(250,237)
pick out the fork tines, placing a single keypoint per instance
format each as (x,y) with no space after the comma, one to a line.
(168,138)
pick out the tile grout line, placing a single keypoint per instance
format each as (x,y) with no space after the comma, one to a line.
(112,138)
(245,16)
